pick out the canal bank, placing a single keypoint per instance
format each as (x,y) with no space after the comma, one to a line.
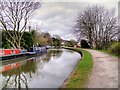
(79,77)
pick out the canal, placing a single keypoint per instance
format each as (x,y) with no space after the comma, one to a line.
(48,70)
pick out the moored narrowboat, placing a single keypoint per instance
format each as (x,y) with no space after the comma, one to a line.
(6,54)
(36,50)
(11,53)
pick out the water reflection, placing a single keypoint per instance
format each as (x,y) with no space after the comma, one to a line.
(18,74)
(46,71)
(53,52)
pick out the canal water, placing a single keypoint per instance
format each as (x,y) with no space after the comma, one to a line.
(44,71)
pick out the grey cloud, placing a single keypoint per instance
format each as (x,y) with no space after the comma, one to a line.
(59,18)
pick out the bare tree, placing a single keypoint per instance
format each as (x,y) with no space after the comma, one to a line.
(14,16)
(98,25)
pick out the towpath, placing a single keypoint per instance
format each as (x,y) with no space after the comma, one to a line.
(105,71)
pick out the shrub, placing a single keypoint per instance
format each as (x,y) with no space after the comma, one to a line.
(84,44)
(115,48)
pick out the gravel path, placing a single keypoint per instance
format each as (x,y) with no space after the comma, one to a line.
(105,71)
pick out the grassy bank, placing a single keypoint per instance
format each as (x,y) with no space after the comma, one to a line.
(113,49)
(108,52)
(79,77)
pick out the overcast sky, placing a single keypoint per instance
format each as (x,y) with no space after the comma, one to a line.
(58,16)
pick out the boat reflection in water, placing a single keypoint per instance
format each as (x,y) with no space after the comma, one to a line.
(45,71)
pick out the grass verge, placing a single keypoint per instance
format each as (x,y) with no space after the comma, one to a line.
(108,52)
(79,77)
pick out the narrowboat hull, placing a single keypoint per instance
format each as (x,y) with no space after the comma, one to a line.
(6,57)
(6,54)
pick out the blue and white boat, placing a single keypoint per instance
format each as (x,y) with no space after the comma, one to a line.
(36,50)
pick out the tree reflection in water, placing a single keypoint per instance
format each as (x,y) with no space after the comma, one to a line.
(19,74)
(17,77)
(53,53)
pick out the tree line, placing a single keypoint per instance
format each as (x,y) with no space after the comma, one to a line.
(14,17)
(30,39)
